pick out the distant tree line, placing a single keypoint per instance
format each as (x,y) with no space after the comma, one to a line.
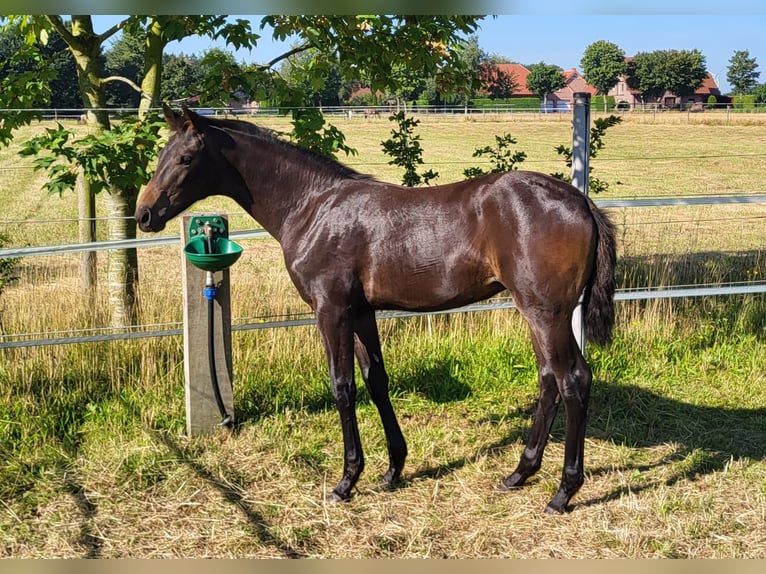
(185,76)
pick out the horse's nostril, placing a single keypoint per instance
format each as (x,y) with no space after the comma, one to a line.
(143,217)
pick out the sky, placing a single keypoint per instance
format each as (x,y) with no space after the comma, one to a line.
(559,36)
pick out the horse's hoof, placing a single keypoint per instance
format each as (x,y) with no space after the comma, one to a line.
(335,498)
(513,482)
(554,510)
(391,479)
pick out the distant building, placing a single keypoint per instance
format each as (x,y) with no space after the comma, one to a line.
(625,96)
(518,75)
(563,99)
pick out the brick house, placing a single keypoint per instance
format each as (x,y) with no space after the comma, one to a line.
(518,74)
(632,98)
(562,100)
(558,101)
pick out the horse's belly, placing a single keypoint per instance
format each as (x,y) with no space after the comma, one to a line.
(429,289)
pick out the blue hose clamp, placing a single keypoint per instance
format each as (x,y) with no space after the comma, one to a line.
(209,292)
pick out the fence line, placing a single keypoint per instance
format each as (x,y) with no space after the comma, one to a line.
(308,319)
(8,253)
(140,332)
(411,107)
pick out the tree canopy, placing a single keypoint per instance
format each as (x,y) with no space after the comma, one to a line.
(680,72)
(544,79)
(742,72)
(374,47)
(602,65)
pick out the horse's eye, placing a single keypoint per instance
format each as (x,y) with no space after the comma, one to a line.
(186,159)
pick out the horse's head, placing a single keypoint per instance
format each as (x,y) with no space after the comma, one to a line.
(185,172)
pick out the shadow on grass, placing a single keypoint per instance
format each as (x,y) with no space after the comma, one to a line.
(435,383)
(232,494)
(706,438)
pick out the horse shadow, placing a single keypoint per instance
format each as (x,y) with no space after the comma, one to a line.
(705,438)
(234,493)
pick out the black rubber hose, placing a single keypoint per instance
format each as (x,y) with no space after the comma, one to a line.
(226,417)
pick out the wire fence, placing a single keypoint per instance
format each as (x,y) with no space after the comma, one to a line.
(91,335)
(95,334)
(562,112)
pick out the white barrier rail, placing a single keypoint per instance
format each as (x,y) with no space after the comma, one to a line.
(19,340)
(13,252)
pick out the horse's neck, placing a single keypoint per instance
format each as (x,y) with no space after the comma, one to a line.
(282,182)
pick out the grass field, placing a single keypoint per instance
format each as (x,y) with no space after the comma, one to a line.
(94,461)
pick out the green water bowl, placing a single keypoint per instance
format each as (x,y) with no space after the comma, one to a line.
(226,253)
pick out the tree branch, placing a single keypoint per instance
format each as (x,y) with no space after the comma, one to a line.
(284,56)
(63,31)
(116,28)
(129,82)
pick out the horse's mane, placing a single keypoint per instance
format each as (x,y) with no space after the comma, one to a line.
(271,137)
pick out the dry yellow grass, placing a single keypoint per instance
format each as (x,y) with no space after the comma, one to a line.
(133,486)
(244,497)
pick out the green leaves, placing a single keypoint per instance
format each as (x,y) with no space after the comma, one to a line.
(501,157)
(25,81)
(742,74)
(678,71)
(544,79)
(238,34)
(371,46)
(597,132)
(602,64)
(310,132)
(112,157)
(404,148)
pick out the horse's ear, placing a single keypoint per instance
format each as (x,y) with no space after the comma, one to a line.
(174,119)
(194,119)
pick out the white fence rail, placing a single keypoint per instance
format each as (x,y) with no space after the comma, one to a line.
(18,340)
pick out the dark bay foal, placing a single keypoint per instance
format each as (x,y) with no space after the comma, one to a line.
(353,244)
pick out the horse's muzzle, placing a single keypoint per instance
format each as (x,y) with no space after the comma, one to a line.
(146,222)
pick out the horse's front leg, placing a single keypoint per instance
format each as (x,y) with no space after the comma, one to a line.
(370,357)
(336,329)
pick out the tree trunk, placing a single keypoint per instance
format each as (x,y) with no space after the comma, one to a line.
(150,84)
(122,263)
(122,272)
(87,234)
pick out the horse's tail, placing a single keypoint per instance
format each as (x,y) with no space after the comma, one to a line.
(598,300)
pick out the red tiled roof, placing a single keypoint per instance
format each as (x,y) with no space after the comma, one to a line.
(708,86)
(519,74)
(577,83)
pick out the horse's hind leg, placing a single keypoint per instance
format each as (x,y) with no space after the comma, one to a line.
(531,458)
(547,407)
(368,353)
(574,387)
(563,374)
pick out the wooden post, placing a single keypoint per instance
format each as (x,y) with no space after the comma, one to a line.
(580,172)
(202,413)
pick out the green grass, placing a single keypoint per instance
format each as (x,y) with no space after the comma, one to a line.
(94,461)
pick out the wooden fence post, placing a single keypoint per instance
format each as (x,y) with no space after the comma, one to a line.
(580,172)
(202,413)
